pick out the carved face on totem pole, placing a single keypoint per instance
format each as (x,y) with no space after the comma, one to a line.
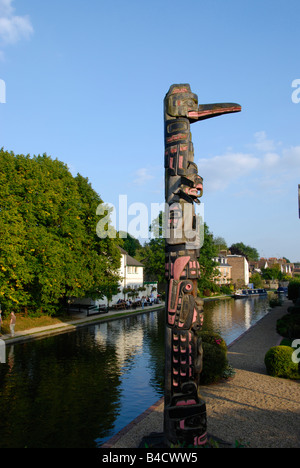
(185,412)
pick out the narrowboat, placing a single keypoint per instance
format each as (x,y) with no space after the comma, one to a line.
(244,293)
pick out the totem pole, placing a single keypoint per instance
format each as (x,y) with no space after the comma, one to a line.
(184,411)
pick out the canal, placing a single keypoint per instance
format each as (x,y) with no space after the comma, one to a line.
(78,389)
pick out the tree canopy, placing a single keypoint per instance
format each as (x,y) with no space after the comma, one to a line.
(49,250)
(241,249)
(208,269)
(129,243)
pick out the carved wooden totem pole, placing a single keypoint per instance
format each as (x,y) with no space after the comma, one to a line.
(185,411)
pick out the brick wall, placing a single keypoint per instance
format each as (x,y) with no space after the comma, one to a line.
(239,270)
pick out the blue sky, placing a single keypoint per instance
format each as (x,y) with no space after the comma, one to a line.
(85,83)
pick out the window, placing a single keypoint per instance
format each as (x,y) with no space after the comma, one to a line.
(132,270)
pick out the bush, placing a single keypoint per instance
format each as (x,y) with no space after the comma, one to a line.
(214,357)
(213,338)
(294,289)
(288,326)
(274,302)
(207,292)
(226,289)
(278,362)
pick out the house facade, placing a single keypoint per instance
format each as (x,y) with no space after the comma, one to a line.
(132,277)
(239,270)
(131,272)
(234,269)
(224,276)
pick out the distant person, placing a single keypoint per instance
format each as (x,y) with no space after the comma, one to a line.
(12,324)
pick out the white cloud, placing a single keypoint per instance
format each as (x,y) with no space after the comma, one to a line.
(142,176)
(220,172)
(268,167)
(271,160)
(6,8)
(13,28)
(262,143)
(291,157)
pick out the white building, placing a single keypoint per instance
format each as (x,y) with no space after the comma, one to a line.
(132,276)
(131,272)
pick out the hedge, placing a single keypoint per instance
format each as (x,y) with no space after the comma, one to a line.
(288,326)
(279,363)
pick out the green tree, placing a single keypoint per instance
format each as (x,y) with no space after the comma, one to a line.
(272,273)
(49,249)
(152,253)
(220,243)
(129,243)
(208,269)
(241,249)
(109,288)
(257,280)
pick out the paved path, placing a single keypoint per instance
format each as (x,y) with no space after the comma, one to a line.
(253,408)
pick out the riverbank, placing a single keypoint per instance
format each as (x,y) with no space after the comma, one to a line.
(253,408)
(81,319)
(76,321)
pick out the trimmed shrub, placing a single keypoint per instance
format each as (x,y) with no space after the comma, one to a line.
(278,362)
(288,326)
(214,357)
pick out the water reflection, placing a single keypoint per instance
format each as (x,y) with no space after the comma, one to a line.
(78,389)
(232,317)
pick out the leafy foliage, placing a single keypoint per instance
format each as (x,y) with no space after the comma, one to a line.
(129,243)
(207,265)
(240,248)
(49,249)
(152,255)
(279,363)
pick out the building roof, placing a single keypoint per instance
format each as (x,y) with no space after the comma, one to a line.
(130,261)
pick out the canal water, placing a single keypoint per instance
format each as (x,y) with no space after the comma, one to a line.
(78,389)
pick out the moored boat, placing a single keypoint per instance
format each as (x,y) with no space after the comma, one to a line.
(244,293)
